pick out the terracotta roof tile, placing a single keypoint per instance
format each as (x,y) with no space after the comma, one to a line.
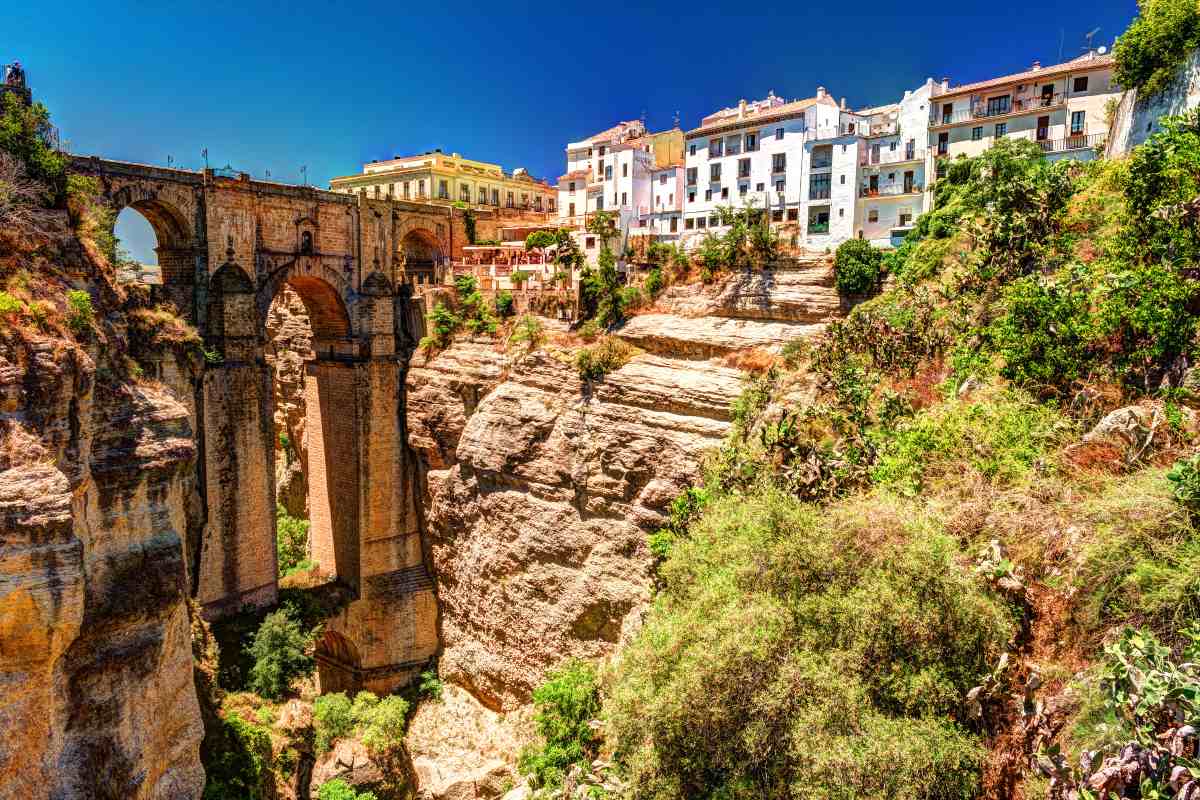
(730,119)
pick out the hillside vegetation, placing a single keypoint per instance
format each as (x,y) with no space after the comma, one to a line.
(972,560)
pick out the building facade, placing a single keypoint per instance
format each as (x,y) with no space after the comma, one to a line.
(442,179)
(1061,107)
(894,161)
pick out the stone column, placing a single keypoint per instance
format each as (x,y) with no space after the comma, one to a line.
(238,562)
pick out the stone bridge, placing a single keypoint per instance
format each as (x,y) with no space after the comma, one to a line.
(225,247)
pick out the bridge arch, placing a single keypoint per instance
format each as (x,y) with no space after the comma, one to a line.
(420,252)
(175,240)
(339,666)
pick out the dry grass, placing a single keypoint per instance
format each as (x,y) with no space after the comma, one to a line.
(756,360)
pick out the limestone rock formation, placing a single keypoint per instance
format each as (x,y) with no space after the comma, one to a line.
(94,635)
(290,337)
(540,493)
(800,291)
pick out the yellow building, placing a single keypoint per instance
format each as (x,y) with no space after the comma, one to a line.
(442,179)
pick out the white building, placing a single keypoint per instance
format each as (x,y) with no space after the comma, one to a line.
(892,184)
(762,154)
(665,216)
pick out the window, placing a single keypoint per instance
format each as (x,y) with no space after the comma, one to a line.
(691,149)
(674,224)
(943,143)
(743,168)
(708,194)
(793,214)
(1001,129)
(819,187)
(778,133)
(406,185)
(571,210)
(1077,122)
(602,149)
(702,222)
(905,219)
(714,148)
(725,193)
(691,176)
(713,222)
(873,215)
(524,200)
(733,146)
(998,105)
(689,224)
(465,192)
(495,197)
(571,186)
(483,196)
(624,200)
(751,142)
(777,215)
(758,187)
(875,154)
(421,188)
(742,189)
(443,190)
(599,202)
(842,180)
(947,112)
(691,197)
(976,133)
(910,149)
(779,184)
(671,199)
(841,212)
(714,172)
(1081,83)
(662,179)
(509,200)
(608,173)
(892,147)
(589,242)
(779,162)
(624,170)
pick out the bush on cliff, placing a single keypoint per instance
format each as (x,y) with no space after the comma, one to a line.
(338,789)
(608,354)
(566,704)
(803,652)
(856,267)
(280,652)
(1156,44)
(291,541)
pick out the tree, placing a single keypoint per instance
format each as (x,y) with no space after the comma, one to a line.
(602,290)
(856,267)
(540,241)
(279,653)
(26,133)
(1147,55)
(602,224)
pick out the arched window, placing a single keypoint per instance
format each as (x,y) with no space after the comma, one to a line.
(306,243)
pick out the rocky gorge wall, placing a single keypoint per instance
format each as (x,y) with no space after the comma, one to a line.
(540,489)
(96,467)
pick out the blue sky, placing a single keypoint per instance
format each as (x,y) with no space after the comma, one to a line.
(273,87)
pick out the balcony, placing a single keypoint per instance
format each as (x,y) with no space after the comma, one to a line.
(818,227)
(818,193)
(1022,105)
(882,129)
(895,190)
(1076,142)
(897,156)
(822,163)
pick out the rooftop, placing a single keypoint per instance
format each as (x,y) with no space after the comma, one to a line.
(770,109)
(1092,60)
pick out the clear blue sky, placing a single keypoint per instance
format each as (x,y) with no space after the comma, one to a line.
(276,86)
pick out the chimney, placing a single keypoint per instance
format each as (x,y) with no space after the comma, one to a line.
(907,92)
(821,93)
(945,84)
(842,104)
(741,109)
(1036,66)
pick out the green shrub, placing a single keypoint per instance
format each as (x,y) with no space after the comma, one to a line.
(654,283)
(856,267)
(338,789)
(504,303)
(1185,477)
(519,277)
(632,299)
(608,354)
(279,650)
(540,240)
(238,763)
(565,704)
(1045,332)
(999,438)
(528,333)
(9,306)
(383,724)
(431,685)
(26,133)
(796,652)
(334,719)
(80,316)
(1157,42)
(600,290)
(291,540)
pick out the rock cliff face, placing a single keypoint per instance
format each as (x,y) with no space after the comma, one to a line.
(540,490)
(290,345)
(95,655)
(96,473)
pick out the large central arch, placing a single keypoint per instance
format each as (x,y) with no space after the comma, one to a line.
(421,254)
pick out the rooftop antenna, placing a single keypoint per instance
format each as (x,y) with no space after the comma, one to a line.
(1062,34)
(676,119)
(304,175)
(1089,35)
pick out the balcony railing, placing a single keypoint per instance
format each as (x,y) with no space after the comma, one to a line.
(1077,142)
(818,227)
(818,193)
(823,163)
(1021,105)
(889,191)
(897,156)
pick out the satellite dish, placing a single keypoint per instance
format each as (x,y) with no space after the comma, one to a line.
(1101,49)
